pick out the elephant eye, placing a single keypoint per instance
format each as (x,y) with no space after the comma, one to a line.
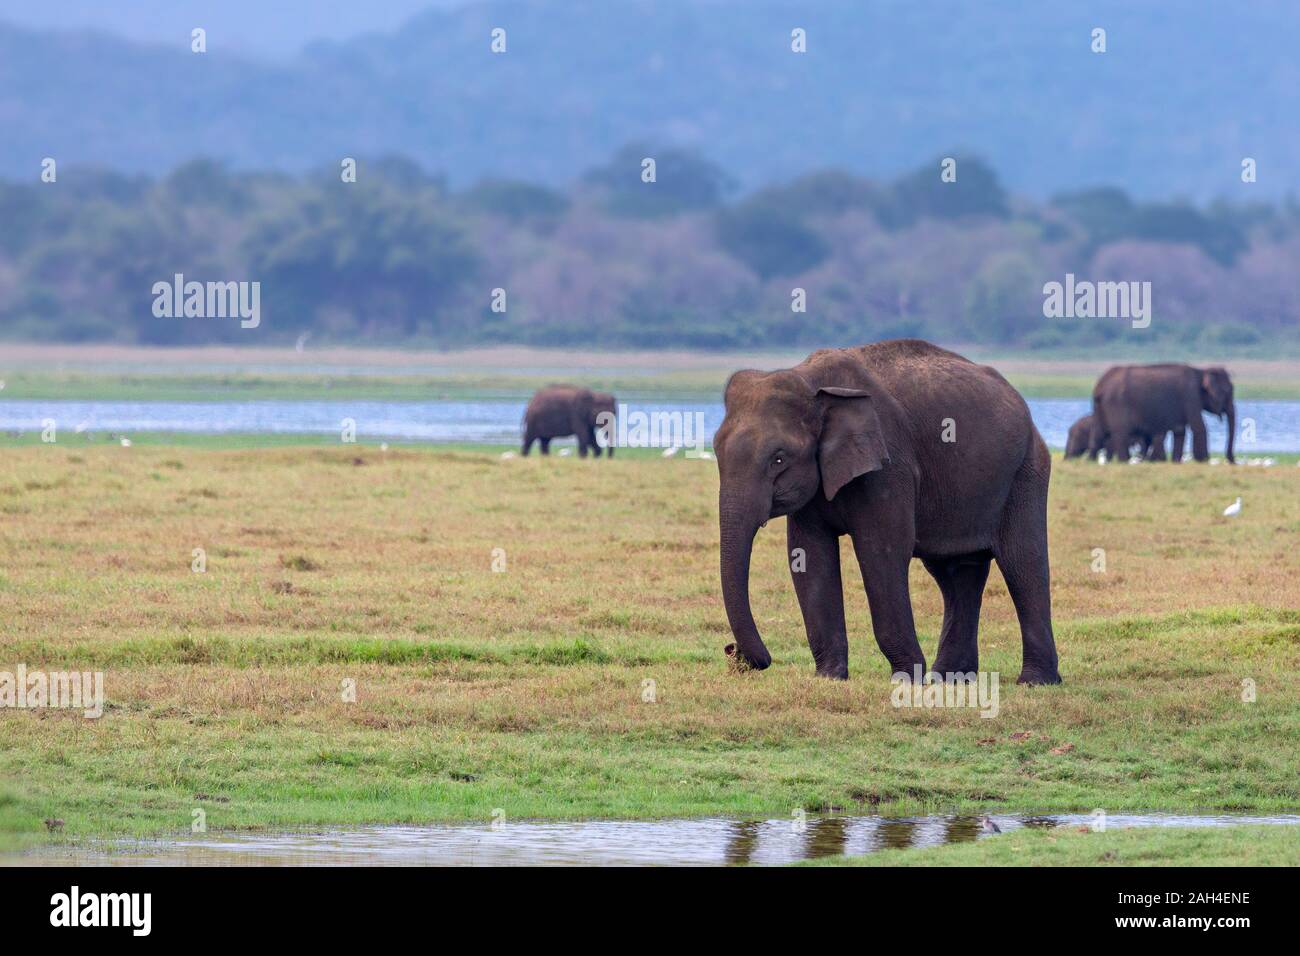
(778,459)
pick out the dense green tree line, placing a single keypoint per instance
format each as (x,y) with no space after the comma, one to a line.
(662,254)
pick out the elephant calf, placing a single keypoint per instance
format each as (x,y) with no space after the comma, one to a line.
(1083,440)
(1079,442)
(911,451)
(558,411)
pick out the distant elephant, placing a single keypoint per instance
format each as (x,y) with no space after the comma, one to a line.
(558,411)
(1078,442)
(1082,441)
(1155,399)
(911,451)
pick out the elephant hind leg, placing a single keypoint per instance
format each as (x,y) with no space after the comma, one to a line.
(962,582)
(546,446)
(1020,549)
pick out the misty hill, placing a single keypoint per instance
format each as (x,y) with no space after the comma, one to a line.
(1180,96)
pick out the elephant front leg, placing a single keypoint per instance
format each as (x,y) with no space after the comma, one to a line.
(884,563)
(1180,437)
(1200,444)
(814,555)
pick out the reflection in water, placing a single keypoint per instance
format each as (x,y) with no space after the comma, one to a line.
(962,830)
(826,836)
(893,835)
(743,842)
(712,842)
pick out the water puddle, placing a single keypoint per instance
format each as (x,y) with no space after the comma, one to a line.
(709,841)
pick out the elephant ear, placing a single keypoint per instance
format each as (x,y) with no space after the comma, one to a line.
(852,441)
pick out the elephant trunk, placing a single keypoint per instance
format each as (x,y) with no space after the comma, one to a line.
(1232,429)
(738,527)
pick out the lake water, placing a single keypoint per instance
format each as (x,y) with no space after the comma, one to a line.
(698,842)
(1276,423)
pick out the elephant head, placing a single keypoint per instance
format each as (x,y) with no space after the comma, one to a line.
(1216,398)
(782,441)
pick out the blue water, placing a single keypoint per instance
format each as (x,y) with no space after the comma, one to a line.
(1277,424)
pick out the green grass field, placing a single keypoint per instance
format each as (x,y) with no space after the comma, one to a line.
(1078,846)
(523,689)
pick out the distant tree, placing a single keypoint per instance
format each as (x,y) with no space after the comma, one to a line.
(923,195)
(1221,240)
(830,192)
(1105,213)
(684,182)
(770,239)
(1005,299)
(369,257)
(517,201)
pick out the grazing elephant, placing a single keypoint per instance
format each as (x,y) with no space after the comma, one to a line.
(1156,399)
(1082,441)
(911,451)
(557,411)
(1079,442)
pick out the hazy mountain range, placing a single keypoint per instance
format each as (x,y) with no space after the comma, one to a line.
(1182,94)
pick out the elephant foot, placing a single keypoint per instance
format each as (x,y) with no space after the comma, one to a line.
(943,667)
(1038,675)
(910,671)
(840,672)
(741,663)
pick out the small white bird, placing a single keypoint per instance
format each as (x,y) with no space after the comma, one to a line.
(706,455)
(126,443)
(507,455)
(1270,462)
(82,427)
(669,452)
(1233,509)
(565,451)
(1102,457)
(1135,460)
(1214,461)
(383,446)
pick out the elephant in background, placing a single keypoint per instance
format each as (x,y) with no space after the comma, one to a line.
(1156,399)
(558,411)
(1082,442)
(1079,441)
(911,451)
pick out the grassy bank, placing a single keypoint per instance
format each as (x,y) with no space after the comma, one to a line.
(1223,846)
(359,375)
(526,690)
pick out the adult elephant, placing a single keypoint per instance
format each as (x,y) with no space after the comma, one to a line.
(558,411)
(1155,399)
(912,451)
